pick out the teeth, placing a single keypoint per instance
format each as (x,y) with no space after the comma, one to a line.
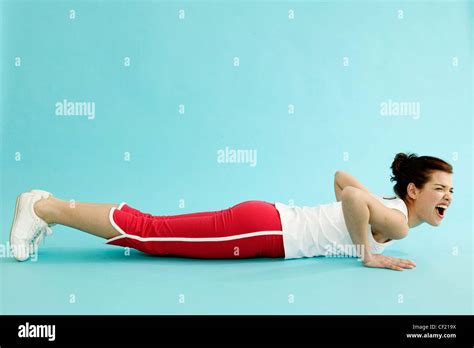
(443,208)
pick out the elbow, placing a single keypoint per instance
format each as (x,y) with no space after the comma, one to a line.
(353,195)
(350,192)
(400,234)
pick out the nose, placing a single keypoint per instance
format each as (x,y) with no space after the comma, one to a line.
(449,197)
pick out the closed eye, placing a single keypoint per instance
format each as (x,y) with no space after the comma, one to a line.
(439,188)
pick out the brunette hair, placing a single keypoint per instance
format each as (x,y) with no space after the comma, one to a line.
(407,168)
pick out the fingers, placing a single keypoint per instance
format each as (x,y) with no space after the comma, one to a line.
(407,263)
(391,263)
(395,267)
(399,264)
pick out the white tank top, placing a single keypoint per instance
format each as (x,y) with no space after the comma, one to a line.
(322,231)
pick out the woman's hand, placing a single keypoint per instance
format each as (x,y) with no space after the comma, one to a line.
(382,261)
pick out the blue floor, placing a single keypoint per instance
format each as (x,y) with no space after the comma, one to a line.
(76,273)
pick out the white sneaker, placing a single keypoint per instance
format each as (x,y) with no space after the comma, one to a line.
(28,229)
(44,194)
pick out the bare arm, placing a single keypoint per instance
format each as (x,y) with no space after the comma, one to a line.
(356,215)
(389,220)
(360,209)
(337,189)
(342,180)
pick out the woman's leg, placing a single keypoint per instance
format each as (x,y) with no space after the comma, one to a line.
(92,218)
(248,229)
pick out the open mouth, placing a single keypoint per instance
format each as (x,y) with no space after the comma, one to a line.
(440,211)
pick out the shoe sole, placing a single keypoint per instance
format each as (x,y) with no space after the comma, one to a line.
(14,219)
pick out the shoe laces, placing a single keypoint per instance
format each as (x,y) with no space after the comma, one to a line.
(39,235)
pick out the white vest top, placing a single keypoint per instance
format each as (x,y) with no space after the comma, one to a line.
(322,231)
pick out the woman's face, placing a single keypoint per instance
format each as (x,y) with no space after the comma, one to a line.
(432,195)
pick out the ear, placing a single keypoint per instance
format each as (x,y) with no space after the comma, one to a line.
(412,191)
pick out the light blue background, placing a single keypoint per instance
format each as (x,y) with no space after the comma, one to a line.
(174,155)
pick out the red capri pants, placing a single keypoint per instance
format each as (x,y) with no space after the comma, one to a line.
(248,229)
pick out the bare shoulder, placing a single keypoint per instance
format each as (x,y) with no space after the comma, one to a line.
(390,222)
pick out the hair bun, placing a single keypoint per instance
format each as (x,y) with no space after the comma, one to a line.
(401,165)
